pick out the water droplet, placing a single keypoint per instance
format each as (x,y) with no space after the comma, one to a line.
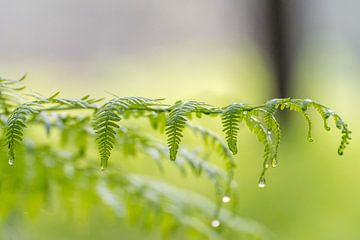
(226,199)
(11,162)
(102,168)
(274,163)
(269,132)
(266,165)
(215,223)
(262,182)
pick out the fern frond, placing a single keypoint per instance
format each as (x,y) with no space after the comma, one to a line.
(176,121)
(15,127)
(324,113)
(263,136)
(345,138)
(104,126)
(231,118)
(273,129)
(106,118)
(301,107)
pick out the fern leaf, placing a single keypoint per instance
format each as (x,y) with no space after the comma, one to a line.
(231,118)
(264,136)
(324,112)
(345,132)
(301,107)
(15,127)
(273,129)
(106,118)
(175,123)
(104,126)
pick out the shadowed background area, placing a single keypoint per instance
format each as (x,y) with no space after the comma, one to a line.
(214,51)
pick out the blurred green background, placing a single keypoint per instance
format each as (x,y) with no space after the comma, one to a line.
(313,194)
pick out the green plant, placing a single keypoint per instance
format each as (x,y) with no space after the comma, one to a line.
(102,120)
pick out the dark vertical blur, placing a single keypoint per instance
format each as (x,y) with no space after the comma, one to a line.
(272,22)
(278,46)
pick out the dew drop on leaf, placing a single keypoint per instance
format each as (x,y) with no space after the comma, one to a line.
(215,223)
(262,182)
(274,163)
(226,199)
(102,168)
(11,162)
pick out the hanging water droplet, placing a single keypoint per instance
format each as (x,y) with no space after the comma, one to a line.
(262,182)
(274,163)
(215,223)
(102,168)
(226,199)
(11,161)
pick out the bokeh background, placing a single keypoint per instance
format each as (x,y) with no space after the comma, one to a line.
(218,52)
